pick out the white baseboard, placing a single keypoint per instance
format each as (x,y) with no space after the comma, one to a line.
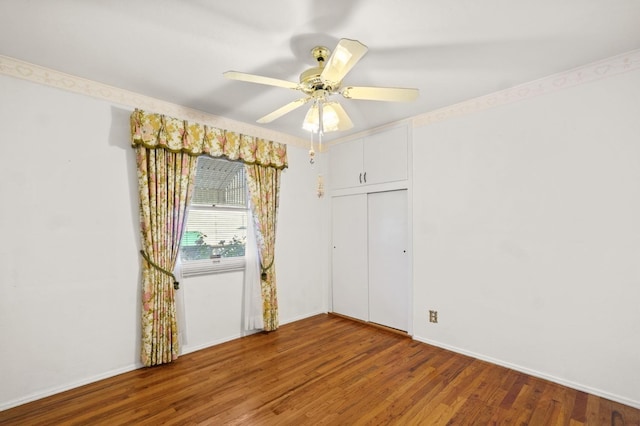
(185,350)
(301,317)
(58,389)
(570,384)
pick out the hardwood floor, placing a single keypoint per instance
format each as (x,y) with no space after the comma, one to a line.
(324,370)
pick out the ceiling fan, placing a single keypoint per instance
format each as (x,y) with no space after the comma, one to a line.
(324,80)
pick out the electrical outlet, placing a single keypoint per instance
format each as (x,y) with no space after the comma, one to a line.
(433,316)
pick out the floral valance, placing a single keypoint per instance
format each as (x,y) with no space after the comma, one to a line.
(173,134)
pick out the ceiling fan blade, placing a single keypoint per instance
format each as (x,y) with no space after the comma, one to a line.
(344,57)
(393,94)
(283,110)
(252,78)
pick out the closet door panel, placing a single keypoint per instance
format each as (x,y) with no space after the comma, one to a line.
(388,259)
(349,256)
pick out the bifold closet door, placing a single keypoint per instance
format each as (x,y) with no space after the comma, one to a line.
(349,256)
(388,259)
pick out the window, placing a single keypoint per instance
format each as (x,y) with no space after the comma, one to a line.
(215,235)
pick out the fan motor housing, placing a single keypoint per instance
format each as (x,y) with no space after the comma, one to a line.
(310,79)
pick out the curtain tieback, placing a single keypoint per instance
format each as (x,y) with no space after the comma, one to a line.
(176,284)
(263,276)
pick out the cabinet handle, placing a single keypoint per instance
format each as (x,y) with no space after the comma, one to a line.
(365,177)
(360,178)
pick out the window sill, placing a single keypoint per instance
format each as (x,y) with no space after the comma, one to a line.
(212,266)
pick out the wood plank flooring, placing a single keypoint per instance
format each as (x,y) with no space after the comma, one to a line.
(323,370)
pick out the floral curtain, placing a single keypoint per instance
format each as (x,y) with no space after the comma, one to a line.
(165,180)
(175,135)
(166,150)
(264,188)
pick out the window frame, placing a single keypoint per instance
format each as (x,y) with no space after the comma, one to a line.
(190,268)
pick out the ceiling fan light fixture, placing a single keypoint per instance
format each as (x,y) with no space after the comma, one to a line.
(344,122)
(332,115)
(330,118)
(311,120)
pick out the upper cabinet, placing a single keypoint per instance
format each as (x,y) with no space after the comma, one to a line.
(386,156)
(378,158)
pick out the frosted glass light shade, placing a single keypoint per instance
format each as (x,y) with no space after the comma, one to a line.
(334,118)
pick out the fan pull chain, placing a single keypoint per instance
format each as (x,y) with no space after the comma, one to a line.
(312,153)
(320,190)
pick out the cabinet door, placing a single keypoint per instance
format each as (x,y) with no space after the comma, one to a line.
(388,259)
(386,156)
(345,164)
(349,256)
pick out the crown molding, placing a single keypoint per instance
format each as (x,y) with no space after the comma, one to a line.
(605,68)
(15,68)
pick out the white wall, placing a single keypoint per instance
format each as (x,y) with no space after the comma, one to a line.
(213,304)
(69,274)
(69,265)
(527,235)
(303,239)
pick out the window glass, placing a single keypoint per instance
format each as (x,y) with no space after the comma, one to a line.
(216,228)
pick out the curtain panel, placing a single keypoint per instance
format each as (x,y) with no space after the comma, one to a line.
(264,189)
(165,182)
(166,151)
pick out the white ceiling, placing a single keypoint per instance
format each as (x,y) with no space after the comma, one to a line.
(451,50)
